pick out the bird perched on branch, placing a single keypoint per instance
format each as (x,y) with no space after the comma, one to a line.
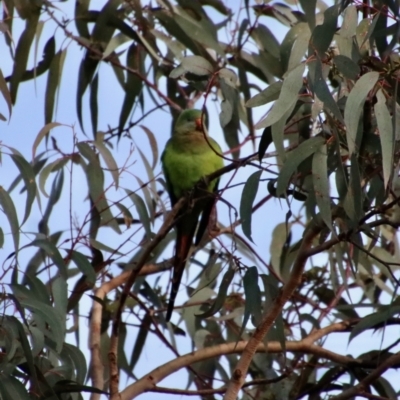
(189,156)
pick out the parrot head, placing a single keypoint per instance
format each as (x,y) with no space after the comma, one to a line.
(189,121)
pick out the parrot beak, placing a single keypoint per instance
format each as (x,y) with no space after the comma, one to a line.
(199,124)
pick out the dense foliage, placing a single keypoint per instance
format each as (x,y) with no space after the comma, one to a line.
(293,291)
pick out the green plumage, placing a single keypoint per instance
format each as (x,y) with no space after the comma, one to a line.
(188,158)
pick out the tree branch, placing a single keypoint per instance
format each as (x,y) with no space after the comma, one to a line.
(165,228)
(150,380)
(373,376)
(240,372)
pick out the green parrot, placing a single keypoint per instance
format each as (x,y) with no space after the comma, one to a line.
(188,158)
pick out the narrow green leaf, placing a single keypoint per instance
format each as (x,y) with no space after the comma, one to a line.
(246,202)
(231,129)
(42,133)
(279,236)
(300,46)
(52,251)
(12,388)
(347,66)
(119,73)
(38,289)
(253,297)
(140,340)
(128,218)
(271,291)
(94,104)
(95,178)
(44,174)
(266,140)
(221,296)
(354,106)
(59,290)
(107,157)
(39,30)
(141,210)
(87,70)
(149,199)
(28,176)
(5,92)
(354,196)
(151,180)
(102,33)
(44,311)
(11,214)
(81,10)
(258,65)
(22,52)
(133,85)
(79,361)
(269,94)
(42,66)
(149,170)
(266,40)
(294,158)
(345,37)
(101,246)
(26,349)
(153,145)
(177,48)
(370,321)
(209,274)
(228,76)
(37,165)
(386,135)
(326,296)
(312,320)
(55,194)
(168,21)
(287,97)
(364,46)
(84,266)
(278,134)
(383,387)
(53,82)
(309,9)
(323,34)
(288,42)
(37,339)
(9,333)
(219,6)
(225,116)
(245,90)
(284,14)
(195,64)
(320,88)
(114,43)
(321,184)
(38,258)
(371,30)
(197,32)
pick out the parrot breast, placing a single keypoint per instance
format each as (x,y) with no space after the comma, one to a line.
(187,161)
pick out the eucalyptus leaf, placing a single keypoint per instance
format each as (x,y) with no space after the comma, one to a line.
(353,110)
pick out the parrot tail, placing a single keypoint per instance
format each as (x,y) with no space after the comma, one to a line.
(183,244)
